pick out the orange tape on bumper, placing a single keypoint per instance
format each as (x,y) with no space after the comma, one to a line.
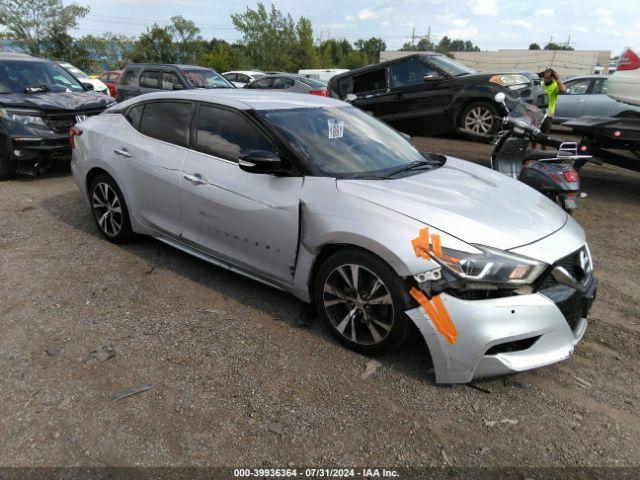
(438,313)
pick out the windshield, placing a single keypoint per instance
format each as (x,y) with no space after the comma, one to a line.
(18,76)
(528,116)
(205,78)
(453,68)
(75,71)
(343,142)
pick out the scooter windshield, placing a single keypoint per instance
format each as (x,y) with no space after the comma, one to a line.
(526,116)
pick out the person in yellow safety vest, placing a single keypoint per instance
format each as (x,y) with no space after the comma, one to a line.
(553,87)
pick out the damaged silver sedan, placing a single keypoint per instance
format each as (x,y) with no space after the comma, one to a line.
(315,197)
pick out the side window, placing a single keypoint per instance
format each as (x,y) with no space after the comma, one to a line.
(127,77)
(150,79)
(134,114)
(578,87)
(223,133)
(410,72)
(232,77)
(242,78)
(167,121)
(283,82)
(263,83)
(370,81)
(170,80)
(600,86)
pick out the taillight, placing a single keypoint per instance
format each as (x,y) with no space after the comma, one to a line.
(571,176)
(322,93)
(73,131)
(629,60)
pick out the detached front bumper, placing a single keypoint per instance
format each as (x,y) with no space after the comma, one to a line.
(507,335)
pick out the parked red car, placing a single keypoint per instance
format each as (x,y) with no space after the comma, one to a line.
(111,79)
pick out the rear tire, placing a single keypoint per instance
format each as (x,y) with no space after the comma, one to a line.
(109,209)
(478,121)
(8,167)
(369,318)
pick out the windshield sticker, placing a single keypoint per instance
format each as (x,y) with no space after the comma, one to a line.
(336,128)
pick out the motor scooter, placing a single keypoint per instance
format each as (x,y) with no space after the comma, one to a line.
(552,172)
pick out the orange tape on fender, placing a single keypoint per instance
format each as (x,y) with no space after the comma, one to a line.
(438,313)
(421,244)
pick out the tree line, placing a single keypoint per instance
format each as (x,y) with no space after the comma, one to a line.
(271,40)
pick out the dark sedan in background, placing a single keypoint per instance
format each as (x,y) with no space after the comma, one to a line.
(290,83)
(429,92)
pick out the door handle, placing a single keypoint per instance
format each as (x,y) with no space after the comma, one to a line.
(122,151)
(195,178)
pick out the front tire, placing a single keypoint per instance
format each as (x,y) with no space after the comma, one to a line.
(478,121)
(363,301)
(109,209)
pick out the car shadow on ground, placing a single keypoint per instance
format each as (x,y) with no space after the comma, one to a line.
(412,359)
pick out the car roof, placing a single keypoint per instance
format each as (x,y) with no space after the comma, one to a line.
(8,55)
(242,99)
(595,75)
(246,72)
(166,65)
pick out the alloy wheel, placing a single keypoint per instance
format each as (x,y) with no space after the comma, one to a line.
(479,120)
(107,209)
(358,304)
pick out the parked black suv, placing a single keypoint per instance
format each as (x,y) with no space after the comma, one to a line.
(139,78)
(431,92)
(39,102)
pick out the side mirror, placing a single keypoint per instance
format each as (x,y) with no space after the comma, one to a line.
(406,136)
(351,97)
(500,97)
(259,161)
(432,78)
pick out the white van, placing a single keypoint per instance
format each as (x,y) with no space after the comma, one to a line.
(322,74)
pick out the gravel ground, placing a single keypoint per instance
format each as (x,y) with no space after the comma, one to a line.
(242,375)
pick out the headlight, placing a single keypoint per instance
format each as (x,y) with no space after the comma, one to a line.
(25,118)
(491,266)
(511,81)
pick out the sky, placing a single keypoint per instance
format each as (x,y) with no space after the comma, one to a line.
(491,24)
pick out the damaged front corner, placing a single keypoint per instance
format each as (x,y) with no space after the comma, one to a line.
(445,366)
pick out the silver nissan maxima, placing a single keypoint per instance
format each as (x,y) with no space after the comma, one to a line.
(313,196)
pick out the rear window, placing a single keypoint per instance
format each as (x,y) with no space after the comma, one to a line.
(167,121)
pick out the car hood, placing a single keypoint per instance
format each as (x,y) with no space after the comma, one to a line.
(468,201)
(56,101)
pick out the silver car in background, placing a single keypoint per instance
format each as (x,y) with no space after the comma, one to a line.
(587,97)
(313,196)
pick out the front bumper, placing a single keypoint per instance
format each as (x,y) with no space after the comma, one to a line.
(32,152)
(507,335)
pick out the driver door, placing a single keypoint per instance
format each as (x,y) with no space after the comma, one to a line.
(247,219)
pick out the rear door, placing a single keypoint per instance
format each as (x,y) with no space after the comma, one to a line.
(149,149)
(598,103)
(248,219)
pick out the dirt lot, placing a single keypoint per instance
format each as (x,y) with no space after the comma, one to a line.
(239,378)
